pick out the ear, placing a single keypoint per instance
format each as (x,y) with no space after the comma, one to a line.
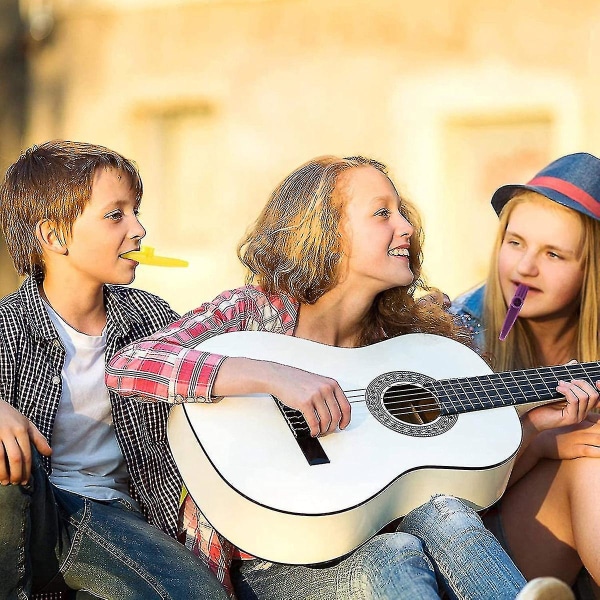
(49,237)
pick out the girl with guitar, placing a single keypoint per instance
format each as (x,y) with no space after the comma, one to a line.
(549,240)
(336,257)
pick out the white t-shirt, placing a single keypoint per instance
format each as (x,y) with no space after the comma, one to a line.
(86,458)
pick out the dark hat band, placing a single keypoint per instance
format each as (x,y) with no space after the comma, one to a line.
(571,191)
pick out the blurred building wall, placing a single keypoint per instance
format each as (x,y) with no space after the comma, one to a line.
(218,100)
(13,87)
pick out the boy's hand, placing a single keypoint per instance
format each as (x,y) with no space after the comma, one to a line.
(17,433)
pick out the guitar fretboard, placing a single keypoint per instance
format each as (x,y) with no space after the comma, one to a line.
(509,388)
(294,419)
(310,446)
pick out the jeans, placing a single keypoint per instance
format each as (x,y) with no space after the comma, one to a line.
(441,546)
(53,540)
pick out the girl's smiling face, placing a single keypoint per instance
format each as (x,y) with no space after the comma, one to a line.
(542,248)
(378,236)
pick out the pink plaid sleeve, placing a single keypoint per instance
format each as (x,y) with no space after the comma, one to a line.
(166,366)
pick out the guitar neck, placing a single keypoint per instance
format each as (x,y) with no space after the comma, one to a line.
(510,388)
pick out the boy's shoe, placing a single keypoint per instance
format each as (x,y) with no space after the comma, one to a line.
(546,588)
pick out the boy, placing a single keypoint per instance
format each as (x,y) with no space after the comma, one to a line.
(78,469)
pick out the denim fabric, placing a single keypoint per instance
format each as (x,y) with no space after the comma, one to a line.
(469,560)
(390,565)
(468,309)
(53,540)
(441,546)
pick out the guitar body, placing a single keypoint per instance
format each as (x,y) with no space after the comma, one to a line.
(246,471)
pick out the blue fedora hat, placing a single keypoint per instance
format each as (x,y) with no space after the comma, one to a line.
(572,180)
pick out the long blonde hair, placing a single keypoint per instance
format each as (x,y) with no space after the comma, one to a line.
(518,350)
(295,247)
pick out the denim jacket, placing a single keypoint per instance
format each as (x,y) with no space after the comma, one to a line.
(468,308)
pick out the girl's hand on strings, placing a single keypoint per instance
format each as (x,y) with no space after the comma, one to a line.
(580,397)
(320,399)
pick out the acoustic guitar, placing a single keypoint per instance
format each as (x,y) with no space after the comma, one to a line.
(428,416)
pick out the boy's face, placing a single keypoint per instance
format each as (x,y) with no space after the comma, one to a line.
(107,228)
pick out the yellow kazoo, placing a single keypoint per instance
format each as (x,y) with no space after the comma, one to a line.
(145,256)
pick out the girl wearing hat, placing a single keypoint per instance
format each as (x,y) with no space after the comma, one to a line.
(336,253)
(548,240)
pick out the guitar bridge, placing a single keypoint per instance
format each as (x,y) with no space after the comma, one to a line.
(310,446)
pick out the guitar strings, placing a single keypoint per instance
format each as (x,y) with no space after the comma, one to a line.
(426,408)
(509,396)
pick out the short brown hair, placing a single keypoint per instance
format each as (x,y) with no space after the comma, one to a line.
(52,181)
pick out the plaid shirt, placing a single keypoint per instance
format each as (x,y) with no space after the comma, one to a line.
(31,360)
(165,366)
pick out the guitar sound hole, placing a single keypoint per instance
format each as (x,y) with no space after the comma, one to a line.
(411,404)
